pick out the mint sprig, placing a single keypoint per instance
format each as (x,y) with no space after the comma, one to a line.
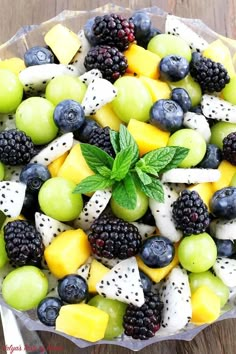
(127,172)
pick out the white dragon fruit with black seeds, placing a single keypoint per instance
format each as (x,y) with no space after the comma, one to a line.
(78,60)
(223,229)
(199,123)
(12,195)
(7,121)
(191,175)
(110,263)
(90,75)
(52,283)
(12,173)
(216,108)
(123,283)
(225,269)
(84,270)
(144,229)
(176,296)
(54,150)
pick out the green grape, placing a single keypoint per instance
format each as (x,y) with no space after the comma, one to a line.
(229,91)
(34,116)
(128,214)
(192,140)
(197,253)
(56,199)
(3,253)
(115,310)
(2,171)
(219,131)
(191,86)
(24,287)
(64,88)
(11,91)
(212,282)
(133,99)
(167,44)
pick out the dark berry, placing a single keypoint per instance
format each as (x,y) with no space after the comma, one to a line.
(88,31)
(72,289)
(100,137)
(30,205)
(196,109)
(38,56)
(144,41)
(48,310)
(173,68)
(147,218)
(157,251)
(223,203)
(212,158)
(34,175)
(146,282)
(142,25)
(182,97)
(83,133)
(225,248)
(68,116)
(229,148)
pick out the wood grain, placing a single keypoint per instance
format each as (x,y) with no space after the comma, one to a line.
(218,338)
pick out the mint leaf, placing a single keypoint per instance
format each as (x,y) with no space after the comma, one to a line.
(154,190)
(92,183)
(114,137)
(124,192)
(180,154)
(104,171)
(122,164)
(157,159)
(96,157)
(126,140)
(145,179)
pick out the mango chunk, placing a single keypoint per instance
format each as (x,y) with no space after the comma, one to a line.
(63,42)
(67,252)
(205,190)
(96,273)
(82,321)
(106,117)
(13,64)
(56,164)
(205,306)
(227,171)
(147,136)
(142,61)
(158,89)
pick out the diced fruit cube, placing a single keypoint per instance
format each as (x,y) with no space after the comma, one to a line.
(106,117)
(147,136)
(13,64)
(56,164)
(75,167)
(67,252)
(137,56)
(227,171)
(158,89)
(96,273)
(63,42)
(205,190)
(205,306)
(82,321)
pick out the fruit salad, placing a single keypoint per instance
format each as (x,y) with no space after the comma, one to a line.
(118,179)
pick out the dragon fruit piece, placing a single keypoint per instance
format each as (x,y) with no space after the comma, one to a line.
(12,195)
(123,283)
(84,270)
(225,269)
(49,228)
(35,78)
(92,209)
(110,263)
(199,123)
(52,283)
(144,229)
(99,92)
(88,77)
(223,229)
(191,175)
(177,187)
(162,213)
(78,60)
(54,150)
(177,28)
(12,173)
(216,108)
(176,296)
(7,121)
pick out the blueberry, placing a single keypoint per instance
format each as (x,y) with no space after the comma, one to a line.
(34,175)
(72,289)
(197,109)
(223,203)
(82,134)
(212,158)
(38,56)
(146,282)
(157,251)
(48,310)
(225,248)
(88,31)
(68,116)
(167,115)
(173,68)
(144,41)
(30,205)
(182,97)
(147,218)
(142,24)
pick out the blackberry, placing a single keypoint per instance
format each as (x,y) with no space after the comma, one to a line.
(16,148)
(100,137)
(229,148)
(143,322)
(111,237)
(190,213)
(114,30)
(24,244)
(210,75)
(109,60)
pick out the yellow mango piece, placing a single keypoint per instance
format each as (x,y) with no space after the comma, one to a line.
(142,61)
(13,64)
(147,136)
(157,274)
(67,252)
(158,89)
(82,321)
(205,306)
(205,190)
(96,273)
(75,167)
(56,164)
(106,117)
(227,171)
(63,42)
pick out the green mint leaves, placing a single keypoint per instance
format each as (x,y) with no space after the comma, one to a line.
(127,172)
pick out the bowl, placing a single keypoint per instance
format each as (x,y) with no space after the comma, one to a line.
(29,36)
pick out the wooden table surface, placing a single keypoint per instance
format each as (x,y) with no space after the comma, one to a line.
(219,15)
